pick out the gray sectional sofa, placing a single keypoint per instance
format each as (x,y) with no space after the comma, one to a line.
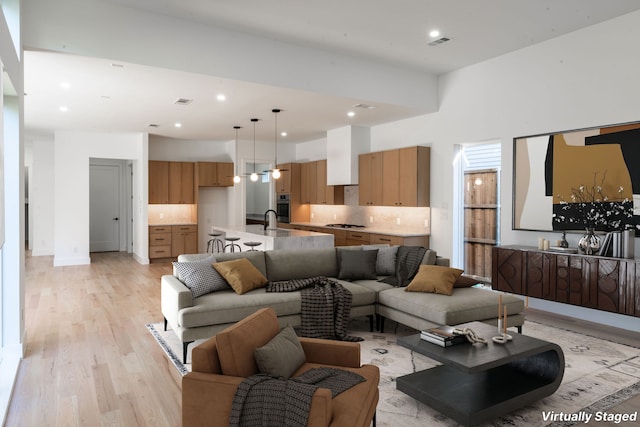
(202,317)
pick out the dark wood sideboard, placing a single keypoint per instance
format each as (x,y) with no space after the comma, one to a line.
(601,283)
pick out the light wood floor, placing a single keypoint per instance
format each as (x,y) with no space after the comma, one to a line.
(90,360)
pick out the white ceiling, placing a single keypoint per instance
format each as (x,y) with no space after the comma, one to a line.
(106,98)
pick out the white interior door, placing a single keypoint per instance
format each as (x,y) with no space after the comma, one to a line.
(104,208)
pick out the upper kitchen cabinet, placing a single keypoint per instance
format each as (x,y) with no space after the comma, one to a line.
(370,177)
(214,174)
(406,177)
(181,183)
(289,181)
(308,179)
(158,182)
(327,194)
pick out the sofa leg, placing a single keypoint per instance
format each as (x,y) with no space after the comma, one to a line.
(520,329)
(381,324)
(370,322)
(184,351)
(165,324)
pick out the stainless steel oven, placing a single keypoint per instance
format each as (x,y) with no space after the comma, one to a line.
(283,208)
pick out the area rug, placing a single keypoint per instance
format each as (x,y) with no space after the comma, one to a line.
(599,374)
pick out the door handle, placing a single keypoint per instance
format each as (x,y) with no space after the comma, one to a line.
(115,219)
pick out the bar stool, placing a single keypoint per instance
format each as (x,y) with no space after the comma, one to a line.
(252,245)
(232,245)
(215,243)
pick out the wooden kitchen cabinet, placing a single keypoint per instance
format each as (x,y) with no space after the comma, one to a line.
(181,183)
(406,177)
(158,182)
(308,179)
(327,194)
(370,177)
(184,239)
(289,181)
(159,241)
(215,174)
(357,238)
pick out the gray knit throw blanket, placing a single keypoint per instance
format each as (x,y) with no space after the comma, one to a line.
(261,400)
(326,306)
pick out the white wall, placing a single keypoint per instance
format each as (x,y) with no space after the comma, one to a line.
(41,200)
(71,190)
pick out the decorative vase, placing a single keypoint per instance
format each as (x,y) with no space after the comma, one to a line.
(589,244)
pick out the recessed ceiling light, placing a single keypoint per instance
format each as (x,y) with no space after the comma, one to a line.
(64,109)
(283,134)
(221,97)
(65,85)
(178,124)
(351,114)
(434,33)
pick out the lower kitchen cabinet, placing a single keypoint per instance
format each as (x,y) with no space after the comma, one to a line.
(184,239)
(159,241)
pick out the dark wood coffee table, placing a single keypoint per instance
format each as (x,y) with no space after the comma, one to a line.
(478,382)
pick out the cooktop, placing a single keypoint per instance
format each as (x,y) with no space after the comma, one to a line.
(345,225)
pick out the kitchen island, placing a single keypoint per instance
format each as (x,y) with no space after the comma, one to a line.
(276,238)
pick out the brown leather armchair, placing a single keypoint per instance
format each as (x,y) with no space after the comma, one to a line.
(221,363)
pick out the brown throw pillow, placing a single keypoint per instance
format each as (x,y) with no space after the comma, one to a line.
(435,279)
(241,275)
(465,282)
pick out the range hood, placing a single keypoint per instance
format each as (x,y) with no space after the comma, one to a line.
(343,147)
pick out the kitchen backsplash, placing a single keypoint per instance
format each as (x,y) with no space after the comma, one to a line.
(382,217)
(172,214)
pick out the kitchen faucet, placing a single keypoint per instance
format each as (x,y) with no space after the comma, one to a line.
(266,217)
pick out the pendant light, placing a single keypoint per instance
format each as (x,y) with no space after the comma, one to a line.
(236,178)
(254,175)
(275,173)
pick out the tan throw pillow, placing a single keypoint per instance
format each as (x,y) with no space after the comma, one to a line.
(241,275)
(281,356)
(434,278)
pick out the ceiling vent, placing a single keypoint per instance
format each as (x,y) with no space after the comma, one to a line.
(183,101)
(364,106)
(439,41)
(153,125)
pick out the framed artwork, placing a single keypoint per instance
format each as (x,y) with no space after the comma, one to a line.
(578,179)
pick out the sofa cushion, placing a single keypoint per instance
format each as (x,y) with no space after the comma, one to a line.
(200,277)
(466,304)
(281,356)
(408,259)
(241,274)
(354,265)
(434,278)
(300,264)
(386,260)
(430,257)
(237,344)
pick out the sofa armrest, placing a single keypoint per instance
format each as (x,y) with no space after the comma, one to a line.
(329,352)
(174,296)
(207,400)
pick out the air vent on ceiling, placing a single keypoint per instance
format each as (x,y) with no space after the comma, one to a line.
(183,101)
(439,41)
(364,106)
(153,125)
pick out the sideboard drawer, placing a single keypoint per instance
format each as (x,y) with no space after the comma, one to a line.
(160,239)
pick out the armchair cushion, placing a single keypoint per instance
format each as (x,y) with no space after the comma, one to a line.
(281,356)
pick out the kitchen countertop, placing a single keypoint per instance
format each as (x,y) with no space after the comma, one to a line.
(278,238)
(371,230)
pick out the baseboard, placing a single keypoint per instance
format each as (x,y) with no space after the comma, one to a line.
(9,365)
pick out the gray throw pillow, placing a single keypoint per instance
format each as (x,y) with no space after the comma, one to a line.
(357,265)
(429,257)
(200,277)
(281,356)
(386,260)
